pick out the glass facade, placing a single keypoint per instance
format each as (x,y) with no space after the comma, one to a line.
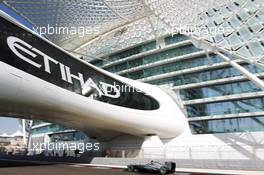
(219,90)
(163,55)
(70,136)
(228,107)
(199,77)
(124,54)
(223,108)
(49,129)
(37,122)
(249,124)
(130,52)
(97,62)
(175,66)
(174,39)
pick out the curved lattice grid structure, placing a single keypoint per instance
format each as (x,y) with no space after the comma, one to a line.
(100,16)
(243,35)
(237,24)
(232,27)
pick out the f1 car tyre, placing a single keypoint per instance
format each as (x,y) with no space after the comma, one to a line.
(130,168)
(163,170)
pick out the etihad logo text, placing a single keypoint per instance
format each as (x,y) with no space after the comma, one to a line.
(88,86)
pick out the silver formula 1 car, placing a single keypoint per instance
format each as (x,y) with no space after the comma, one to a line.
(154,167)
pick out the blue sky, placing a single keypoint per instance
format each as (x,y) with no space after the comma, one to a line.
(11,125)
(9,11)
